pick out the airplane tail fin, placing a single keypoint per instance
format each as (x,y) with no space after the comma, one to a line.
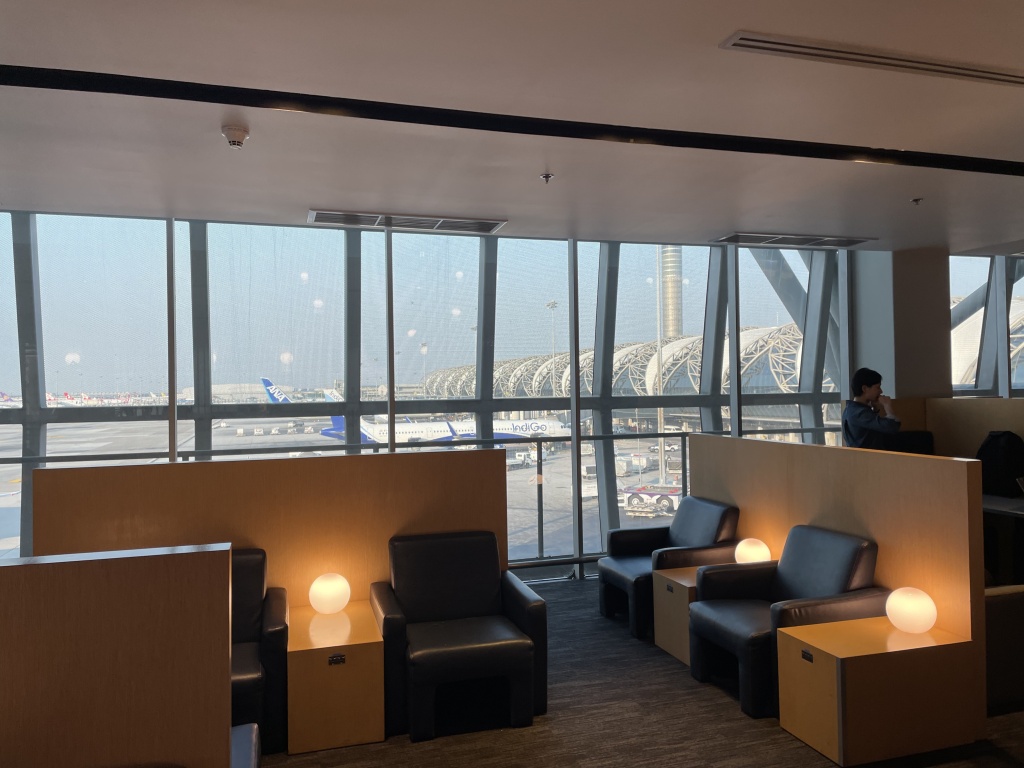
(274,393)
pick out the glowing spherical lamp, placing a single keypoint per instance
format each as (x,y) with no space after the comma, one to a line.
(752,551)
(910,609)
(329,593)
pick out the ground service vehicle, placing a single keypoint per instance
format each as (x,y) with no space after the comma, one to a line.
(650,500)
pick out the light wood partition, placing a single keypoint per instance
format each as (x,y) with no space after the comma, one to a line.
(959,425)
(923,511)
(912,412)
(116,659)
(312,515)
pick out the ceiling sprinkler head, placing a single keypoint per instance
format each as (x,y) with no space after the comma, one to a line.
(235,134)
(547,177)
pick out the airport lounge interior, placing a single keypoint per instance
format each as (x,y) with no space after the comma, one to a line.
(368,383)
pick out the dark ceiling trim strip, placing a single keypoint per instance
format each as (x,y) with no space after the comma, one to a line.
(99,82)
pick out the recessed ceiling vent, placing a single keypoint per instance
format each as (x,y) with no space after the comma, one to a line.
(411,223)
(841,53)
(792,241)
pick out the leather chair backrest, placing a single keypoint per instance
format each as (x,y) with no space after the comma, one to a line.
(702,522)
(248,588)
(442,576)
(817,562)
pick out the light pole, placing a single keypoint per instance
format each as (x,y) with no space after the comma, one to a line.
(423,354)
(552,305)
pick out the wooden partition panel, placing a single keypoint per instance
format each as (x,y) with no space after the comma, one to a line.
(912,412)
(923,511)
(116,659)
(961,424)
(312,515)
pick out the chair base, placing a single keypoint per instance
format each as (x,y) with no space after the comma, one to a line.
(472,702)
(638,603)
(753,670)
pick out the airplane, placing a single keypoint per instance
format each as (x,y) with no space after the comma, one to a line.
(426,431)
(6,401)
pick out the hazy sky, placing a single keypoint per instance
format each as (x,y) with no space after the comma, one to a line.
(278,297)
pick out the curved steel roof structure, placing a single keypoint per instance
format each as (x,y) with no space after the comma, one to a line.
(770,363)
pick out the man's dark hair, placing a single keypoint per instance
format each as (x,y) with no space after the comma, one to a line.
(864,377)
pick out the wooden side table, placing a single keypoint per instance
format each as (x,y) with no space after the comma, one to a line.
(860,691)
(674,590)
(335,678)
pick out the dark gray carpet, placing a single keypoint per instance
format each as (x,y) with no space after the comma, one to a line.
(616,701)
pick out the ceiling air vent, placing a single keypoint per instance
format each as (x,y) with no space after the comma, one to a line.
(840,53)
(792,241)
(408,223)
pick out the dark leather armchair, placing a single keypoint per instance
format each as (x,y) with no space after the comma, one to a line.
(450,614)
(822,576)
(259,650)
(702,532)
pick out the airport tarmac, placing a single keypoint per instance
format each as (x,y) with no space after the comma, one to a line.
(303,440)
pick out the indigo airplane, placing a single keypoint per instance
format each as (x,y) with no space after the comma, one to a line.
(408,431)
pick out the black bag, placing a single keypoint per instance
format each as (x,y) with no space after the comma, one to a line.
(1002,461)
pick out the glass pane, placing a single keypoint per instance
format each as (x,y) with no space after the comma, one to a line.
(103,438)
(10,368)
(660,319)
(834,422)
(10,491)
(648,490)
(182,317)
(436,286)
(373,376)
(531,319)
(277,308)
(102,284)
(773,291)
(1016,320)
(760,418)
(295,436)
(588,262)
(968,283)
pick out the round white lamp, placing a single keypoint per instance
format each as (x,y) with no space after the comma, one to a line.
(329,593)
(752,551)
(910,609)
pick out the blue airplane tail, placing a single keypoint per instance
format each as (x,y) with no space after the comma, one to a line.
(274,393)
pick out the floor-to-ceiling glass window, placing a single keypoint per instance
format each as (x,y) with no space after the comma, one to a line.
(284,340)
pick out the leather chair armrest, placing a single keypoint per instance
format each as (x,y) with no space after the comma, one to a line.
(624,542)
(732,581)
(528,611)
(391,622)
(387,610)
(857,604)
(524,607)
(275,618)
(688,557)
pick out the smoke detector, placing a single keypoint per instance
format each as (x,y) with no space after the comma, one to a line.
(235,134)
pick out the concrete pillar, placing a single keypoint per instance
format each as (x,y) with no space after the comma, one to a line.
(901,321)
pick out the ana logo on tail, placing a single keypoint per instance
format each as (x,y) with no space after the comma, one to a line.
(274,393)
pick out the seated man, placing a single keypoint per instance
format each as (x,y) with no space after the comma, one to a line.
(868,419)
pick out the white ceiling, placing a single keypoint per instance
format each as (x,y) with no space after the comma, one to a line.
(649,63)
